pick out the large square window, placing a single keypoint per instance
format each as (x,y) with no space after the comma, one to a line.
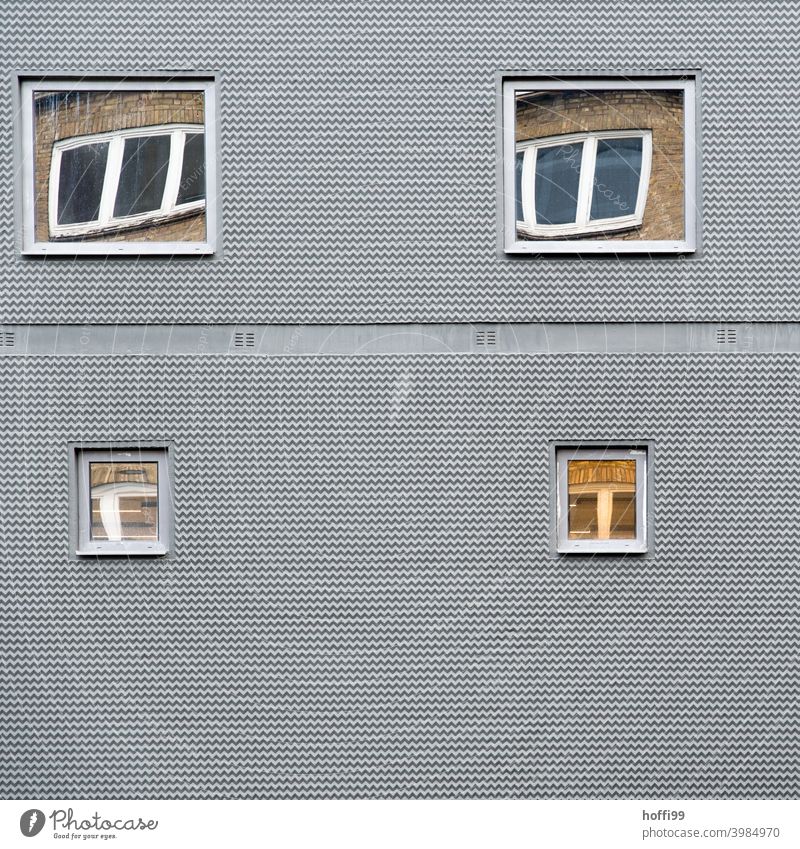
(123,501)
(602,500)
(118,166)
(601,165)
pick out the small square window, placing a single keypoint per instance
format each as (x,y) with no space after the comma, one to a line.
(123,166)
(599,165)
(124,503)
(602,500)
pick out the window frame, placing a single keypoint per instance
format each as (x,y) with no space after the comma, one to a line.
(84,545)
(107,222)
(29,82)
(642,454)
(512,83)
(583,222)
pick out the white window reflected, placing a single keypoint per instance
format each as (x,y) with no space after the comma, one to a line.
(126,179)
(583,182)
(124,500)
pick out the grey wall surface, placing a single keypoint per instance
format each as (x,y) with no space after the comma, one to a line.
(363,601)
(358,160)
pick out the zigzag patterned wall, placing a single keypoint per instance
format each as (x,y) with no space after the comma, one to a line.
(363,600)
(358,160)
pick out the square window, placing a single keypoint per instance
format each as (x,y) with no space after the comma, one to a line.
(602,500)
(123,501)
(118,166)
(599,165)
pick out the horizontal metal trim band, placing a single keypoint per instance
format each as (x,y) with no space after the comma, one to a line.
(274,340)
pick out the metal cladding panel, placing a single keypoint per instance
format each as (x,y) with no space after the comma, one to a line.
(363,601)
(358,161)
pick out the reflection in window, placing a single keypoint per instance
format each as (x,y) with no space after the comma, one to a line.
(617,171)
(602,499)
(587,183)
(558,175)
(193,172)
(124,499)
(127,178)
(80,182)
(518,163)
(145,160)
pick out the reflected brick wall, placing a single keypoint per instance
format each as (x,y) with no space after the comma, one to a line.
(62,115)
(658,111)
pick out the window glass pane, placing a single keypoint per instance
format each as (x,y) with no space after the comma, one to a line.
(193,173)
(518,186)
(623,515)
(124,501)
(558,173)
(80,183)
(143,175)
(602,499)
(616,178)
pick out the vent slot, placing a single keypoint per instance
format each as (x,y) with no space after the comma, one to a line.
(726,335)
(244,339)
(7,339)
(486,338)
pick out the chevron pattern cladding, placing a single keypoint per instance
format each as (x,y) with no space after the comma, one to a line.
(363,601)
(358,160)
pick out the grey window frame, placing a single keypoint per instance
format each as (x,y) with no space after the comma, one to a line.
(80,500)
(28,82)
(642,454)
(510,83)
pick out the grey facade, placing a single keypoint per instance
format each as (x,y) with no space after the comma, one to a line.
(363,598)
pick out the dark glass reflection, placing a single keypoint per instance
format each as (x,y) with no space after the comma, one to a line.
(193,173)
(145,161)
(616,178)
(80,183)
(558,173)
